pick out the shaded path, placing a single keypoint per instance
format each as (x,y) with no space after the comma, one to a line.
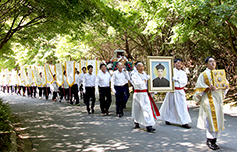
(54,126)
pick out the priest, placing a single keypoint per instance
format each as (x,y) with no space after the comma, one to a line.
(144,110)
(174,108)
(211,115)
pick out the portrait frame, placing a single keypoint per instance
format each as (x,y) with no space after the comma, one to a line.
(164,79)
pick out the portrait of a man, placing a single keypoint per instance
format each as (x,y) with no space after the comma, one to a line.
(160,81)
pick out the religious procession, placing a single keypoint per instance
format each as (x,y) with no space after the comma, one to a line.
(70,81)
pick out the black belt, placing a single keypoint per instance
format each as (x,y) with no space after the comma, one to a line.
(90,87)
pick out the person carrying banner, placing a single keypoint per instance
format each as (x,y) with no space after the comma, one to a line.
(144,110)
(81,82)
(64,89)
(74,90)
(54,89)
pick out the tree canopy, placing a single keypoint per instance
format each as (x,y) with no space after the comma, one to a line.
(36,32)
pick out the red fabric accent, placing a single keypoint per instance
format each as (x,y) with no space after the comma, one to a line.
(178,88)
(156,112)
(140,90)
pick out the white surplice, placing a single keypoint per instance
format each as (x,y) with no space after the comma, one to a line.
(174,108)
(141,106)
(205,118)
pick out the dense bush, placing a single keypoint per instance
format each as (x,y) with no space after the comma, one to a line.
(5,126)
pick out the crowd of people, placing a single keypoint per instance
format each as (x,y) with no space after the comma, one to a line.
(174,109)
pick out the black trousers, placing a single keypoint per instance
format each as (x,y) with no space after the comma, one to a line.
(81,92)
(105,98)
(40,91)
(24,90)
(46,92)
(90,93)
(121,98)
(64,93)
(16,88)
(29,91)
(34,91)
(54,95)
(4,89)
(74,90)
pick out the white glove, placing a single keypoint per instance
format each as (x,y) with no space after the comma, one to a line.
(155,92)
(114,91)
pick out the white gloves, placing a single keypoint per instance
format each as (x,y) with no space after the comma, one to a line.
(114,91)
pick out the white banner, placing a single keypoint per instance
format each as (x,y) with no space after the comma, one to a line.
(70,70)
(23,74)
(43,79)
(48,74)
(83,64)
(30,77)
(7,76)
(59,74)
(36,77)
(14,77)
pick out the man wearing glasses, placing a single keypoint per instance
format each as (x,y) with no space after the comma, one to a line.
(211,115)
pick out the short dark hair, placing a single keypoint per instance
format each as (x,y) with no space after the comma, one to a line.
(178,59)
(54,75)
(207,59)
(160,66)
(102,64)
(83,68)
(64,72)
(78,72)
(39,73)
(75,69)
(89,66)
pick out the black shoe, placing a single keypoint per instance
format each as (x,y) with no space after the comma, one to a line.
(186,126)
(150,129)
(122,114)
(136,125)
(167,123)
(93,111)
(88,111)
(107,113)
(214,142)
(119,115)
(210,144)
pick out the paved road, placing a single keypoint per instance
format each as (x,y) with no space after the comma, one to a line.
(54,126)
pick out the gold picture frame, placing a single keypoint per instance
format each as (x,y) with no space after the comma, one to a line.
(219,79)
(160,82)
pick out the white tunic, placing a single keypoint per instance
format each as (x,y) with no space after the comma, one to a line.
(205,119)
(141,106)
(174,108)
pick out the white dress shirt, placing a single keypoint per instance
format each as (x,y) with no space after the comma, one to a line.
(77,79)
(103,79)
(88,80)
(119,78)
(81,78)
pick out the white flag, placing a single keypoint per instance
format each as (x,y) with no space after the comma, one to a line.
(23,74)
(43,79)
(59,74)
(30,77)
(36,77)
(48,74)
(70,70)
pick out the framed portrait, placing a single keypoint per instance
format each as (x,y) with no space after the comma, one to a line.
(160,69)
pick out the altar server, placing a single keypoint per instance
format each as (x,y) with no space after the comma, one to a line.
(144,110)
(174,108)
(211,114)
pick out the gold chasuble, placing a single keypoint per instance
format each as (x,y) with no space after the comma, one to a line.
(211,103)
